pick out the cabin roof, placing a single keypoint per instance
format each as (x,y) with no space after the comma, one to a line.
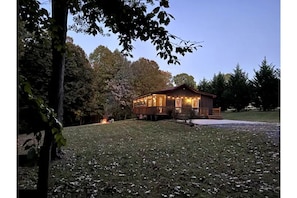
(183,86)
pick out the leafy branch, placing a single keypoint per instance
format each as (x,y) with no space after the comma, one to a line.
(47,115)
(131,20)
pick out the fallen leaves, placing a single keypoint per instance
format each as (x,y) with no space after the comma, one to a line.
(164,159)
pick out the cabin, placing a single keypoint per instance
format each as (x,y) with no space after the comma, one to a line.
(178,102)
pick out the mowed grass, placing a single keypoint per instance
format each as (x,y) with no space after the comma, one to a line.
(136,158)
(268,116)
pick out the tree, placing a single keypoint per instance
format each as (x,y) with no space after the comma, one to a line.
(129,19)
(79,86)
(184,78)
(120,90)
(121,95)
(219,88)
(106,65)
(239,89)
(205,86)
(266,86)
(34,58)
(147,77)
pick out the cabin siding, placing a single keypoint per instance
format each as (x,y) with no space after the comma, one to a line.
(206,102)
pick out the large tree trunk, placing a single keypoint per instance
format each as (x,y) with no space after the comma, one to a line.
(45,157)
(56,89)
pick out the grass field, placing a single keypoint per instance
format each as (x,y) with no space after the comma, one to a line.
(269,116)
(162,159)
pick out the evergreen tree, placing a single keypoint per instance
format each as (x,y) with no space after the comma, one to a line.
(219,88)
(239,89)
(205,86)
(266,87)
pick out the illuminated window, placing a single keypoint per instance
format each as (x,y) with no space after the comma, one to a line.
(149,102)
(195,102)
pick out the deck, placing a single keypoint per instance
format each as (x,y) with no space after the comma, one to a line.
(182,113)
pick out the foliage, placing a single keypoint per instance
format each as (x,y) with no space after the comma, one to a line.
(35,65)
(111,81)
(239,89)
(118,81)
(121,91)
(184,78)
(78,85)
(43,117)
(205,86)
(266,87)
(34,60)
(165,159)
(219,87)
(33,18)
(131,20)
(147,77)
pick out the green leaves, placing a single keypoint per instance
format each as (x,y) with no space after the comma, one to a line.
(46,114)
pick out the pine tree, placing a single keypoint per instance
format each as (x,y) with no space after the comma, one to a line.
(266,87)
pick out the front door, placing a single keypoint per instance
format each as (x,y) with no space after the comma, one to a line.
(178,105)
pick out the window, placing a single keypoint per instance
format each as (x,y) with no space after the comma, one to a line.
(195,102)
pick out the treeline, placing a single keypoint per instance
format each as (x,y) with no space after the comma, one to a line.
(98,86)
(104,84)
(237,91)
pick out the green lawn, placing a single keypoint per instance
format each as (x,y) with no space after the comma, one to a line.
(162,159)
(269,116)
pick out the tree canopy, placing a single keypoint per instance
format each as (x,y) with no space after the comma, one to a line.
(184,78)
(131,20)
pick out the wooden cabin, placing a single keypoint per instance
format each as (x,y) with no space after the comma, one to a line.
(177,102)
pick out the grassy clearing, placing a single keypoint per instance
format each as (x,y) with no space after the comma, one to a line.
(163,159)
(269,116)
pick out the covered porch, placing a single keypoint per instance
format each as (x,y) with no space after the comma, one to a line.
(161,105)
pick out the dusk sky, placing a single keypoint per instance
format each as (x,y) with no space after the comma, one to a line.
(231,32)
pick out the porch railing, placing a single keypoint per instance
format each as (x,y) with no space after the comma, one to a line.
(165,110)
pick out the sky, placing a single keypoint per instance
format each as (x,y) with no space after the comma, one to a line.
(231,32)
